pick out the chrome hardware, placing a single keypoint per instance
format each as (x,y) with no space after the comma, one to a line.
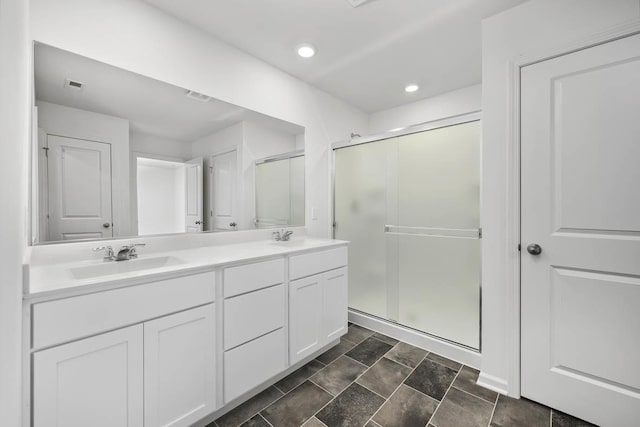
(106,225)
(282,236)
(128,252)
(109,255)
(455,233)
(534,249)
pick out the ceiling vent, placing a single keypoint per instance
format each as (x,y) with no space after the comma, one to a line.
(198,96)
(356,3)
(73,84)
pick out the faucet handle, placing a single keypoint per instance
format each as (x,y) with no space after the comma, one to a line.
(109,255)
(132,249)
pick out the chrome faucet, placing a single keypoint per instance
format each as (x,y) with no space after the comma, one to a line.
(282,236)
(125,253)
(128,252)
(109,255)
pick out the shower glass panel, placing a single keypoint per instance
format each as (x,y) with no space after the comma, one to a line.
(410,207)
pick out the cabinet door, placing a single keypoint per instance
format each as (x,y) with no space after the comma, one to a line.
(92,382)
(305,321)
(180,367)
(334,304)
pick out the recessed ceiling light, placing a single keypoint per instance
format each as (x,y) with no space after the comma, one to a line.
(411,88)
(306,50)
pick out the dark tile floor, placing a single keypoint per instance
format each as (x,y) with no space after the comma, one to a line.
(373,380)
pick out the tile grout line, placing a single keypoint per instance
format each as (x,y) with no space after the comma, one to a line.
(266,420)
(473,395)
(396,389)
(265,407)
(353,382)
(444,395)
(493,412)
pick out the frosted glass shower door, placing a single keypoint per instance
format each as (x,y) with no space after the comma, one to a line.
(438,259)
(360,214)
(410,208)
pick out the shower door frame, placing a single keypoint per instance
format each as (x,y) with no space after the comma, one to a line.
(457,351)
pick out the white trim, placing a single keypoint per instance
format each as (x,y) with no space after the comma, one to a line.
(510,256)
(411,336)
(422,127)
(492,383)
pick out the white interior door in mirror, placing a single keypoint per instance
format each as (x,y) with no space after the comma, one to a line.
(79,188)
(193,170)
(224,188)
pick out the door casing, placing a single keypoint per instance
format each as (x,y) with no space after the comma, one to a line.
(510,265)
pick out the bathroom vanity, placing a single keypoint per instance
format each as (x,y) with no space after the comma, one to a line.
(176,337)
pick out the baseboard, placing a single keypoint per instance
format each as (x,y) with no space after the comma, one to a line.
(430,343)
(496,384)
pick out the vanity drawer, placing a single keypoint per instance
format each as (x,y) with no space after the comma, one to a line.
(251,277)
(253,363)
(72,318)
(254,314)
(316,262)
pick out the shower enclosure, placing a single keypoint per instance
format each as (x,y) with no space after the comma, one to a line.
(409,205)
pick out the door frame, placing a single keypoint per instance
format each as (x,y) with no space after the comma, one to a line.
(510,265)
(467,355)
(238,204)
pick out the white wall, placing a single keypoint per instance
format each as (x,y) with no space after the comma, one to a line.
(534,30)
(156,146)
(74,123)
(14,142)
(454,103)
(144,40)
(161,199)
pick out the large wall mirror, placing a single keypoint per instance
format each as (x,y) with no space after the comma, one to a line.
(118,154)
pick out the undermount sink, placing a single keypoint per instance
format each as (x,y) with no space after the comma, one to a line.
(122,267)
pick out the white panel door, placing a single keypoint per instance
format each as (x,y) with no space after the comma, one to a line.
(581,205)
(305,317)
(95,382)
(193,170)
(79,183)
(334,304)
(224,189)
(180,368)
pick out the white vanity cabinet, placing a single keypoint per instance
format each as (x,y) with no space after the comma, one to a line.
(183,348)
(96,382)
(317,301)
(158,372)
(179,368)
(255,313)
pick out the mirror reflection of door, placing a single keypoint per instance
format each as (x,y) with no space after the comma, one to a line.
(224,184)
(79,189)
(194,195)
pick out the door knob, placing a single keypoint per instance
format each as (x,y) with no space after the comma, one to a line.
(198,222)
(106,225)
(534,249)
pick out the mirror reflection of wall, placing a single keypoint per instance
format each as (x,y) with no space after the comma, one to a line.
(280,191)
(120,154)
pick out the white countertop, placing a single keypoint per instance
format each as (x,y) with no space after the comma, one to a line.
(51,281)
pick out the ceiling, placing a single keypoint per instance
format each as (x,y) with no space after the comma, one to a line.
(151,106)
(365,55)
